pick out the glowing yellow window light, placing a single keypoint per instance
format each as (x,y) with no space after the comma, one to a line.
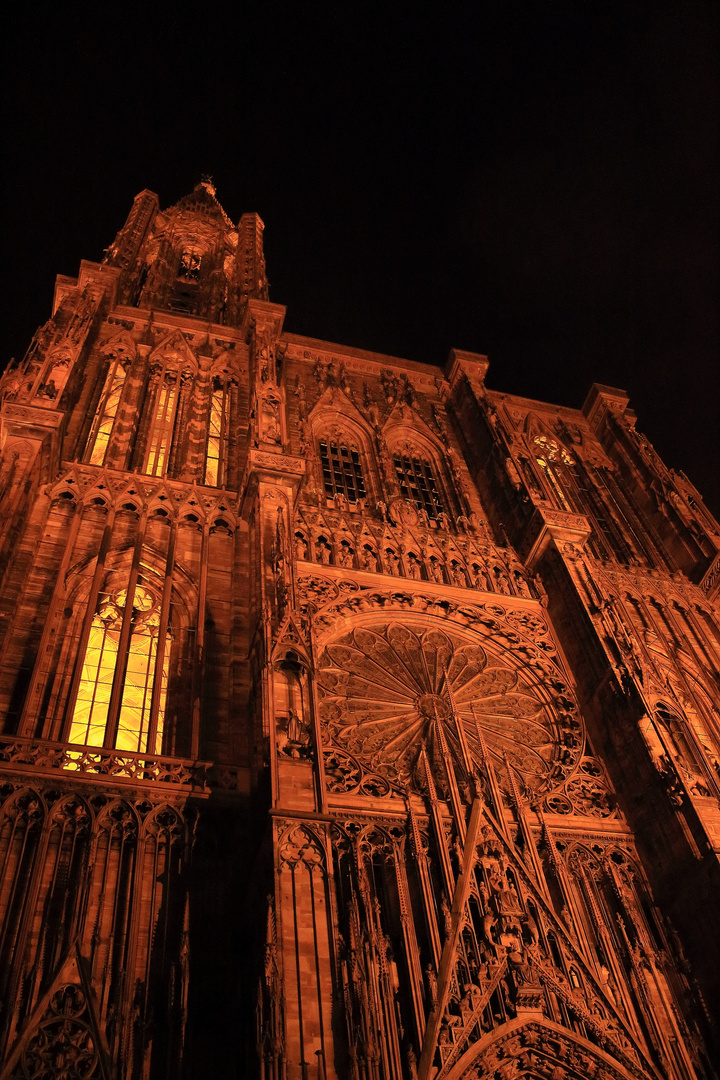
(90,718)
(162,430)
(107,410)
(552,455)
(216,435)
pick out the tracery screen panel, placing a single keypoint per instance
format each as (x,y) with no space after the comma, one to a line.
(552,459)
(162,429)
(342,471)
(417,483)
(216,456)
(106,412)
(141,670)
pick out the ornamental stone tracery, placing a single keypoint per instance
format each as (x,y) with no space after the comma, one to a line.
(385,688)
(402,859)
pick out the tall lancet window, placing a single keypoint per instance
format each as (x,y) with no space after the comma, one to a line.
(163,424)
(107,410)
(123,682)
(216,454)
(552,459)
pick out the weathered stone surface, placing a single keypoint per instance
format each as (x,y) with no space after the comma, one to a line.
(356,721)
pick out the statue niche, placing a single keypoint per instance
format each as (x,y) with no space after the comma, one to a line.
(292,708)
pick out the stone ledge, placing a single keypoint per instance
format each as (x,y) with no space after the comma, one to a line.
(44,758)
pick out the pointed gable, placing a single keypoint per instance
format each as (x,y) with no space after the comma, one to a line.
(174,352)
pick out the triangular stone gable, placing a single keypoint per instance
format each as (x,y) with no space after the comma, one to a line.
(64,1019)
(163,495)
(336,407)
(390,538)
(174,351)
(408,422)
(120,344)
(412,540)
(598,1002)
(290,636)
(192,503)
(322,526)
(344,529)
(72,480)
(365,535)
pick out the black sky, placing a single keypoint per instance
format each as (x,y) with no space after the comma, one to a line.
(533,180)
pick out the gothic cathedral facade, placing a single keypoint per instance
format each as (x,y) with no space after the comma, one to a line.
(357,722)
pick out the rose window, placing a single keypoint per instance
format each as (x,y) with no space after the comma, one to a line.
(385,690)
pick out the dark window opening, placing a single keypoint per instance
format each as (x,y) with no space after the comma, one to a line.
(417,483)
(342,471)
(183,301)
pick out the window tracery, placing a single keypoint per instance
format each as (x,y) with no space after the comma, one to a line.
(551,458)
(168,406)
(416,478)
(124,644)
(107,410)
(217,438)
(342,469)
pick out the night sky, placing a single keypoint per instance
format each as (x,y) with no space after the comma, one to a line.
(537,181)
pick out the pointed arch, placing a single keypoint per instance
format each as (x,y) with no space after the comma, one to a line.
(552,1045)
(173,368)
(550,460)
(343,444)
(117,355)
(125,617)
(301,844)
(174,353)
(65,1016)
(222,382)
(417,457)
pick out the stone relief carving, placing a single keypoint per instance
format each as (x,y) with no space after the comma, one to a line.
(63,1046)
(405,547)
(586,793)
(383,689)
(293,736)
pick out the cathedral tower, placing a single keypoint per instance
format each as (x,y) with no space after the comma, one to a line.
(357,722)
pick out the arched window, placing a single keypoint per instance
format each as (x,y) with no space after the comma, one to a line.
(184,295)
(123,681)
(417,482)
(107,410)
(216,453)
(342,470)
(551,458)
(163,424)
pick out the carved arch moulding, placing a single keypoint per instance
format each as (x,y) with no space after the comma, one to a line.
(387,684)
(542,1050)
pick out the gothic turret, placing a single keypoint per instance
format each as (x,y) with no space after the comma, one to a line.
(190,258)
(357,722)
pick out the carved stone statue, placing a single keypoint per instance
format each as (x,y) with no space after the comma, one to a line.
(413,566)
(270,419)
(345,554)
(301,547)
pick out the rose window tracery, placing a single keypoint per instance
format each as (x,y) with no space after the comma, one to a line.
(386,690)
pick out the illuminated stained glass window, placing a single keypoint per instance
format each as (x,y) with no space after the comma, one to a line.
(162,429)
(551,458)
(215,458)
(417,483)
(342,471)
(107,409)
(92,708)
